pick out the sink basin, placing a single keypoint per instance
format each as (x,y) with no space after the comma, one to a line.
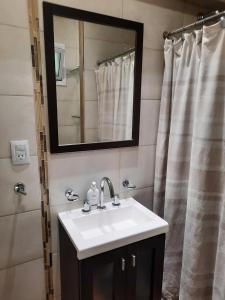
(100,231)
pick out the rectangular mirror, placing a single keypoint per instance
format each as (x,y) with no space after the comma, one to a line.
(93,67)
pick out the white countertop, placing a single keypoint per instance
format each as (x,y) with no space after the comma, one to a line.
(100,231)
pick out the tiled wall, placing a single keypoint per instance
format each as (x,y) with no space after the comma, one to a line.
(21,263)
(66,32)
(21,250)
(77,170)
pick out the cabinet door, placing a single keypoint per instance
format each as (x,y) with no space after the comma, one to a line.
(103,276)
(145,270)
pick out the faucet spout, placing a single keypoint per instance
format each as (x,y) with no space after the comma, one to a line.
(102,189)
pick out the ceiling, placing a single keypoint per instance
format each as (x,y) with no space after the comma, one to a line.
(209,4)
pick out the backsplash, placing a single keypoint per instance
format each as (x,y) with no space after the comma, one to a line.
(21,253)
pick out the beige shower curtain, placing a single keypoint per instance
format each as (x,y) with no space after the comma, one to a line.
(190,165)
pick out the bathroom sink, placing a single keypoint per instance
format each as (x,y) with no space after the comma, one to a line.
(100,231)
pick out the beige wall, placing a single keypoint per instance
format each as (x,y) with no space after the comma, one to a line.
(21,265)
(77,170)
(66,32)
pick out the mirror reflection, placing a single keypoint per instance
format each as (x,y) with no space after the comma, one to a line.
(94,71)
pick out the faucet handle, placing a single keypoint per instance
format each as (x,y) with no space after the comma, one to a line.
(101,207)
(116,200)
(86,207)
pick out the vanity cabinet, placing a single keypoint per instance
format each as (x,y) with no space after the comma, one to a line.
(132,272)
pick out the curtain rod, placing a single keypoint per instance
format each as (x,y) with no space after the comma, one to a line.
(116,56)
(198,23)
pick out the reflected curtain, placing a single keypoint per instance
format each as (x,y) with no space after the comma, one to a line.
(115,82)
(190,165)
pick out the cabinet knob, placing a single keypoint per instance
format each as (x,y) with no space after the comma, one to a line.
(123,264)
(133,260)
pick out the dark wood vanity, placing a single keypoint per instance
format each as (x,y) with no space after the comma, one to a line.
(132,272)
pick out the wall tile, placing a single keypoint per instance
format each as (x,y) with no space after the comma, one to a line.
(66,32)
(68,135)
(56,274)
(149,121)
(112,8)
(91,135)
(144,196)
(66,111)
(72,56)
(109,33)
(9,175)
(138,166)
(21,238)
(8,15)
(23,282)
(79,169)
(152,74)
(157,17)
(14,125)
(70,91)
(91,114)
(95,50)
(90,90)
(15,61)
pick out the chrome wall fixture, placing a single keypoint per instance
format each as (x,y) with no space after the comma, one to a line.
(201,21)
(71,195)
(127,185)
(20,188)
(110,59)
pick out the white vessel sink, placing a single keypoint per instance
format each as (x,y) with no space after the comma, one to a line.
(100,231)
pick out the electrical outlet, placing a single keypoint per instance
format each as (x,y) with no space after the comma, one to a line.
(20,152)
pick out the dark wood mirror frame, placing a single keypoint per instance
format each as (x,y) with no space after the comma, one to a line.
(50,10)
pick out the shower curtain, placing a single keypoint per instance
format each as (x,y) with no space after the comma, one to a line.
(190,165)
(115,81)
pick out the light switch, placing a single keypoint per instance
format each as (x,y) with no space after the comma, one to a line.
(20,152)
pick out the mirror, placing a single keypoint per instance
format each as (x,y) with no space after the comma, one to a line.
(93,67)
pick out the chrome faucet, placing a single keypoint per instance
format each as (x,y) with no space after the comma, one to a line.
(111,190)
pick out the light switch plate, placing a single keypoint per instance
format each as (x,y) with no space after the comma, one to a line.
(20,152)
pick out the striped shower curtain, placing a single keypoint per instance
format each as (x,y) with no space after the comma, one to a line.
(190,165)
(115,82)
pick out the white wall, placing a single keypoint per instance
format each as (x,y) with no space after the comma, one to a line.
(21,264)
